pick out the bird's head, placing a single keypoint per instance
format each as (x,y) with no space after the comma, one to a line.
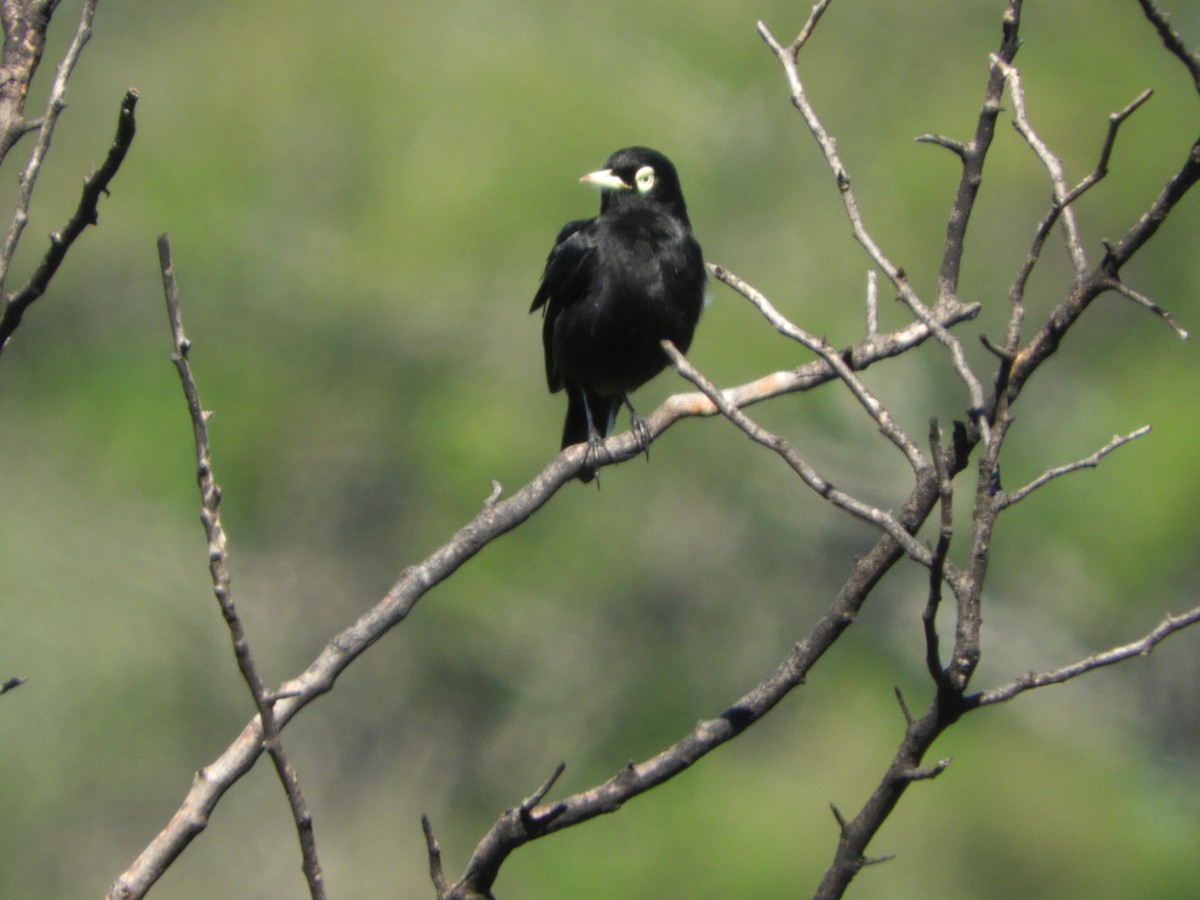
(637,176)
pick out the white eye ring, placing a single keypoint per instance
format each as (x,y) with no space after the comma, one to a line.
(644,179)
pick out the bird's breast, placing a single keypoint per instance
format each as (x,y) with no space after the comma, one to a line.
(643,292)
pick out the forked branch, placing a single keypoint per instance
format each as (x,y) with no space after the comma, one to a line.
(25,24)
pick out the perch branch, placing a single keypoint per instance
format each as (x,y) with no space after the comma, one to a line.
(495,518)
(501,514)
(860,356)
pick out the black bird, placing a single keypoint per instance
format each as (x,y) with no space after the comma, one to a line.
(614,287)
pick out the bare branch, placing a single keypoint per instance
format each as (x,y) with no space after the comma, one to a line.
(787,58)
(1116,255)
(1141,647)
(210,515)
(941,551)
(1088,462)
(437,873)
(25,23)
(969,588)
(958,148)
(1017,291)
(806,32)
(1115,120)
(828,146)
(1172,41)
(31,31)
(973,154)
(1051,162)
(13,307)
(1104,276)
(822,347)
(514,829)
(498,515)
(858,357)
(872,303)
(1142,300)
(877,517)
(925,773)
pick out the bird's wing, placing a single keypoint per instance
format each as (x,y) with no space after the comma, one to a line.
(567,278)
(563,261)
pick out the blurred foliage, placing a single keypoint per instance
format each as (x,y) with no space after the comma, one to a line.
(360,202)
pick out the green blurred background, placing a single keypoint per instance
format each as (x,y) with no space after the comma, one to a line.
(360,201)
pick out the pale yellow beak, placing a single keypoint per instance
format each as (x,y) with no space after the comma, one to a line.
(606,179)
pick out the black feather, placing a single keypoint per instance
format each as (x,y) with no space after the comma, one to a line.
(616,286)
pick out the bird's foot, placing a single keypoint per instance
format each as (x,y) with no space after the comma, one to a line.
(595,455)
(641,432)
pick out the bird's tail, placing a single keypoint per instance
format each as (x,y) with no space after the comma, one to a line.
(587,408)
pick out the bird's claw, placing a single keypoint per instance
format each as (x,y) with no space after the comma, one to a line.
(641,432)
(596,451)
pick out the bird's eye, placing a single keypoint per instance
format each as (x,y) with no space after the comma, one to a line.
(644,179)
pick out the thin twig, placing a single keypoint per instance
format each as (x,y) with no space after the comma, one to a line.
(958,148)
(867,352)
(941,552)
(210,515)
(1146,303)
(836,361)
(1052,164)
(1172,41)
(437,873)
(1115,120)
(806,32)
(1061,206)
(86,213)
(872,303)
(1105,275)
(787,59)
(54,106)
(498,517)
(1141,647)
(877,517)
(1088,462)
